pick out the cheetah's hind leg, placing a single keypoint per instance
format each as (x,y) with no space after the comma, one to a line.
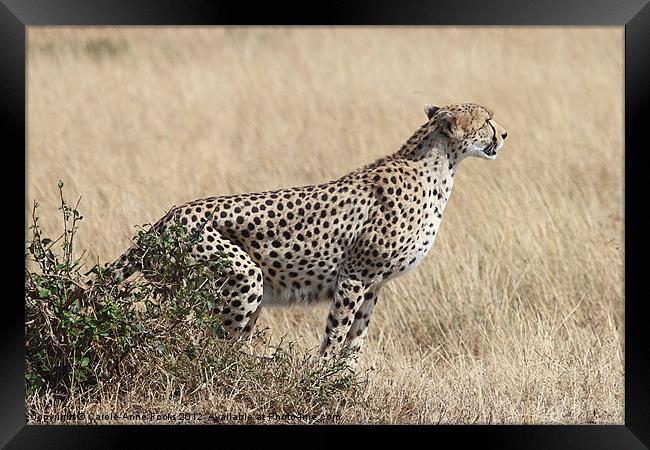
(242,290)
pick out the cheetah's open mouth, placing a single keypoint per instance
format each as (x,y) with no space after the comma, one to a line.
(491,150)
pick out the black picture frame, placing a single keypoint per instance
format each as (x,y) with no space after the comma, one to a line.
(634,15)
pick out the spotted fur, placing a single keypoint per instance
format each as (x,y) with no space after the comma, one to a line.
(339,241)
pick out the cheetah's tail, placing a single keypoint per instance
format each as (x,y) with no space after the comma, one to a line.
(127,264)
(120,269)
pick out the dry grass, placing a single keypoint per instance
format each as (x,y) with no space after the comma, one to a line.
(516,315)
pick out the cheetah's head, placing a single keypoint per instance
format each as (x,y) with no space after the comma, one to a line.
(468,129)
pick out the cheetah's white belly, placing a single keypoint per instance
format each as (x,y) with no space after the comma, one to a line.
(418,257)
(279,296)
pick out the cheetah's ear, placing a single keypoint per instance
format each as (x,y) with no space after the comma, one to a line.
(447,123)
(430,110)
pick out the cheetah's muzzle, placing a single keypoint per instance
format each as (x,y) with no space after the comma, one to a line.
(491,150)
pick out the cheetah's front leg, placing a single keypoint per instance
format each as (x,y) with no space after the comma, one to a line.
(348,298)
(359,328)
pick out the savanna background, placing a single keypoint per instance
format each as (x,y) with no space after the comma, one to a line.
(515,316)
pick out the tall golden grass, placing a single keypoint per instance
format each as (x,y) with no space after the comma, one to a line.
(515,316)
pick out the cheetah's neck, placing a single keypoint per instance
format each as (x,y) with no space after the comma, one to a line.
(429,159)
(426,147)
(429,154)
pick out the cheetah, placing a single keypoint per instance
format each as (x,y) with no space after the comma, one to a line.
(339,241)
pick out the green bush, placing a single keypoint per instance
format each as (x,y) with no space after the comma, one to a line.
(78,336)
(85,340)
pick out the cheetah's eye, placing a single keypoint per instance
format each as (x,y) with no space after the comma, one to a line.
(494,132)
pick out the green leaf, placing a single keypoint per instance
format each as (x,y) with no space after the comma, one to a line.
(42,292)
(85,361)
